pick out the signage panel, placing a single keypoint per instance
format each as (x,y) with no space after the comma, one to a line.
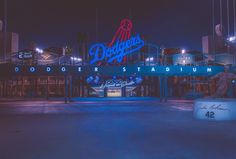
(215,109)
(121,45)
(119,70)
(25,54)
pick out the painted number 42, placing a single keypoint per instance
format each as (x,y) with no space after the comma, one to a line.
(210,115)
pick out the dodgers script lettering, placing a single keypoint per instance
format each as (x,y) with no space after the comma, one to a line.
(117,52)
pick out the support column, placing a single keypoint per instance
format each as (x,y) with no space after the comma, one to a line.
(47,93)
(71,87)
(65,90)
(123,91)
(83,90)
(161,88)
(79,87)
(165,88)
(105,92)
(22,86)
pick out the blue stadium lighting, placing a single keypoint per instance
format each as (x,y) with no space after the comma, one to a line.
(17,69)
(63,69)
(89,79)
(96,81)
(79,69)
(48,69)
(130,70)
(32,69)
(138,80)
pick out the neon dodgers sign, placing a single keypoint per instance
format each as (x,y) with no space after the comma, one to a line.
(117,51)
(121,45)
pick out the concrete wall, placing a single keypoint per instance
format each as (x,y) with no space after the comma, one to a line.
(12,40)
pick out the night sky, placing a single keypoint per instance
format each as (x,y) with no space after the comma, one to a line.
(171,23)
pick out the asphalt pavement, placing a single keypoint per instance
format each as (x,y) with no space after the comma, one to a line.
(142,128)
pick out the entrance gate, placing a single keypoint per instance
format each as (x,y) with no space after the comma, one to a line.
(65,78)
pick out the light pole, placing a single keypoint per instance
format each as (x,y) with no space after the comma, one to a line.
(5,31)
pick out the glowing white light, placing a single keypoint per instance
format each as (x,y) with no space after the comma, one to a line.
(77,59)
(232,39)
(149,59)
(38,50)
(183,51)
